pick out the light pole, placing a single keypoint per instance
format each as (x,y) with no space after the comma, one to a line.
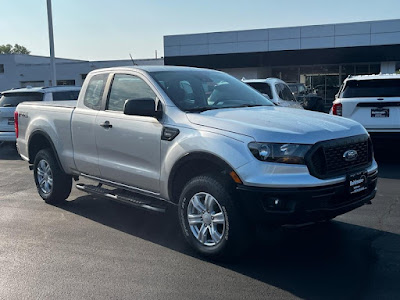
(51,40)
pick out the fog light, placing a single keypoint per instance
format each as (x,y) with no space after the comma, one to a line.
(274,203)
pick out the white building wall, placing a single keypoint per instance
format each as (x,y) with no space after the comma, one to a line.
(8,78)
(28,68)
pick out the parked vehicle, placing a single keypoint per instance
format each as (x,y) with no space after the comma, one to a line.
(308,100)
(11,98)
(372,100)
(327,92)
(298,89)
(154,137)
(276,90)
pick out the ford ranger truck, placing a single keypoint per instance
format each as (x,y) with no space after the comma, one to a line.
(203,142)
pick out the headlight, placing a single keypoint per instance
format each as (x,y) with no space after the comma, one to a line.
(279,153)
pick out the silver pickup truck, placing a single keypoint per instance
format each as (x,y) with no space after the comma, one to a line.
(203,142)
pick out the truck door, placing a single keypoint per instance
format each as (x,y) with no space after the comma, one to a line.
(84,123)
(128,146)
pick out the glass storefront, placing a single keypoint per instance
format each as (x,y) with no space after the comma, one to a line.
(325,80)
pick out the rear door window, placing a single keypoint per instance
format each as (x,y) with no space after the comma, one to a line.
(94,91)
(13,99)
(371,88)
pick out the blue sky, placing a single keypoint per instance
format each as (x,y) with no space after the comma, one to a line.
(103,30)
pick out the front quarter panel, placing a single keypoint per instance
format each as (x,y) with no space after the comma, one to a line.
(192,140)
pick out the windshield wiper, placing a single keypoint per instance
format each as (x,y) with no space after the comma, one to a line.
(248,105)
(204,108)
(200,109)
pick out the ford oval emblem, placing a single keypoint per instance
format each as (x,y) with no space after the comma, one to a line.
(350,155)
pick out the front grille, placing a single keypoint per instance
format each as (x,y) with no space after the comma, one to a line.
(326,158)
(334,156)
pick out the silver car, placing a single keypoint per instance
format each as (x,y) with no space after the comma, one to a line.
(11,98)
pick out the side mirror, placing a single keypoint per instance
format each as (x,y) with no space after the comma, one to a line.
(142,107)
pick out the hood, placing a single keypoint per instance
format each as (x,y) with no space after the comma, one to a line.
(292,104)
(278,124)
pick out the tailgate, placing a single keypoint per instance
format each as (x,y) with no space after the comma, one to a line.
(7,118)
(374,113)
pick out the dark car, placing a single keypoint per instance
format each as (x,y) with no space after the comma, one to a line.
(310,101)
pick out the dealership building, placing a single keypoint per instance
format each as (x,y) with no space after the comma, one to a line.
(321,56)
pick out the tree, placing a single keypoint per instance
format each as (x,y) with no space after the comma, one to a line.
(16,49)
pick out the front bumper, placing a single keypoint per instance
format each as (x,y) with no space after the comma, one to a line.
(7,136)
(379,136)
(302,205)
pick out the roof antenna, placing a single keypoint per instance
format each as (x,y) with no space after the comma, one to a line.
(133,62)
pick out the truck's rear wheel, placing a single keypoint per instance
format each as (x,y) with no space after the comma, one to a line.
(53,185)
(210,219)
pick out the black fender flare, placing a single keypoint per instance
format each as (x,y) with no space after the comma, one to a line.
(48,138)
(192,157)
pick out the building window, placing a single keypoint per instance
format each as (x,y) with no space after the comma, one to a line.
(1,69)
(32,83)
(66,82)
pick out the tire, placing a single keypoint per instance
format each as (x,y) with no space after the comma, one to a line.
(216,230)
(53,185)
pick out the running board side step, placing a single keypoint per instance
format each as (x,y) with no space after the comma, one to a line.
(134,199)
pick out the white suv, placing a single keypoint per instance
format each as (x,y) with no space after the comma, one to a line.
(277,91)
(11,98)
(372,100)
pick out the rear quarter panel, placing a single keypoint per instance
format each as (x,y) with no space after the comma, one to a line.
(53,121)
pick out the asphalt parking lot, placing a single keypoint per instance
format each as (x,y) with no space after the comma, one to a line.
(93,248)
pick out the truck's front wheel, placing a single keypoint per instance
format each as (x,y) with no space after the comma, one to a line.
(53,185)
(210,219)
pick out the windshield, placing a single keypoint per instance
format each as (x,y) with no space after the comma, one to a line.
(284,92)
(13,99)
(199,90)
(371,88)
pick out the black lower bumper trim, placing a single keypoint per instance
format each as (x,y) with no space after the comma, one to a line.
(301,205)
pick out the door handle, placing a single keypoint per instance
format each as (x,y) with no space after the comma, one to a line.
(106,125)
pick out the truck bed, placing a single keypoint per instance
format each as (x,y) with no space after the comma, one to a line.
(66,104)
(52,118)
